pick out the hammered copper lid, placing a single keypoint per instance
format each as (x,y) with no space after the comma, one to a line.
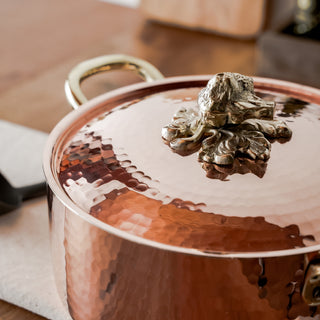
(113,164)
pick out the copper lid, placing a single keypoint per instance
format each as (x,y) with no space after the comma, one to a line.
(115,170)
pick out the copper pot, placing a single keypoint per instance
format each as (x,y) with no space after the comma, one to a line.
(129,245)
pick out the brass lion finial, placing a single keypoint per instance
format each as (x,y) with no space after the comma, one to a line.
(230,120)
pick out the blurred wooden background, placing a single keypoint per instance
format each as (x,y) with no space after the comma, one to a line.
(42,41)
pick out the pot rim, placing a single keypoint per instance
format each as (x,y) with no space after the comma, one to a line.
(56,136)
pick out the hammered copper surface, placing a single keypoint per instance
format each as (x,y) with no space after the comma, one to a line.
(107,277)
(106,273)
(117,168)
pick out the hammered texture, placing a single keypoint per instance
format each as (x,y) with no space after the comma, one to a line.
(109,278)
(105,169)
(117,169)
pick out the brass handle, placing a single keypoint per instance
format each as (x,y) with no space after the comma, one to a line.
(311,285)
(90,67)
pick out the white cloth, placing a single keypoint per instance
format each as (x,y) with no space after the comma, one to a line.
(26,272)
(21,153)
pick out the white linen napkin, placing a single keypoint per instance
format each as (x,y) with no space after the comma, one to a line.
(21,153)
(26,272)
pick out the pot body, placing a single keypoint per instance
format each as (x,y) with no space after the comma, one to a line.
(102,276)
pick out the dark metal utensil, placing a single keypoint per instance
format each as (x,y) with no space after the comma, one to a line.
(11,198)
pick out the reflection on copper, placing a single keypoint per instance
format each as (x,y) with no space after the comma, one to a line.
(184,224)
(108,277)
(292,107)
(180,222)
(98,163)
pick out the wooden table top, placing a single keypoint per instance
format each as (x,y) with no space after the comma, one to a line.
(43,40)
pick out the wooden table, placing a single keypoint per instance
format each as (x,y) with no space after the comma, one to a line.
(43,40)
